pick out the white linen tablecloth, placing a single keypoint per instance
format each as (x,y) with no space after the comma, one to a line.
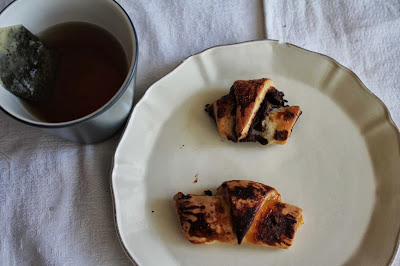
(361,35)
(55,199)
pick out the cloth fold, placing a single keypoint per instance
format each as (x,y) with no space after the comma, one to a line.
(361,35)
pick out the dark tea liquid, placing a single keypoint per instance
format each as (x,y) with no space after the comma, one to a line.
(92,68)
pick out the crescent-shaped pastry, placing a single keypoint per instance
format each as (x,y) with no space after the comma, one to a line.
(254,110)
(242,212)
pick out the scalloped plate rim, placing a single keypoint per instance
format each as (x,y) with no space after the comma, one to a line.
(362,87)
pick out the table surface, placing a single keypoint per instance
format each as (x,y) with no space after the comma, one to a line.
(55,199)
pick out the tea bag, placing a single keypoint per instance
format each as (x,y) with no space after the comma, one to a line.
(27,66)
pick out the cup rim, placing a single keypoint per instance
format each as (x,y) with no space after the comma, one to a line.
(102,109)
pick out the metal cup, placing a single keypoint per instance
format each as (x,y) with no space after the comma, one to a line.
(38,15)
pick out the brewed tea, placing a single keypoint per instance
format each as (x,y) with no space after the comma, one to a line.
(92,68)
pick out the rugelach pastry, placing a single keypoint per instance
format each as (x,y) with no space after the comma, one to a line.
(254,110)
(242,212)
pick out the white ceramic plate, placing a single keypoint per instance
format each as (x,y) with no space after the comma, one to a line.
(341,164)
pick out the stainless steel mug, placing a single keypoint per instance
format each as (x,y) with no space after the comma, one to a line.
(38,15)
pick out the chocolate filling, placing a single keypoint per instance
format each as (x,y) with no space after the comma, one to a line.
(210,110)
(273,100)
(208,192)
(185,196)
(281,135)
(275,97)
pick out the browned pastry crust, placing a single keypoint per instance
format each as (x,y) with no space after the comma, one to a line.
(254,110)
(204,219)
(222,111)
(275,225)
(242,212)
(245,198)
(249,94)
